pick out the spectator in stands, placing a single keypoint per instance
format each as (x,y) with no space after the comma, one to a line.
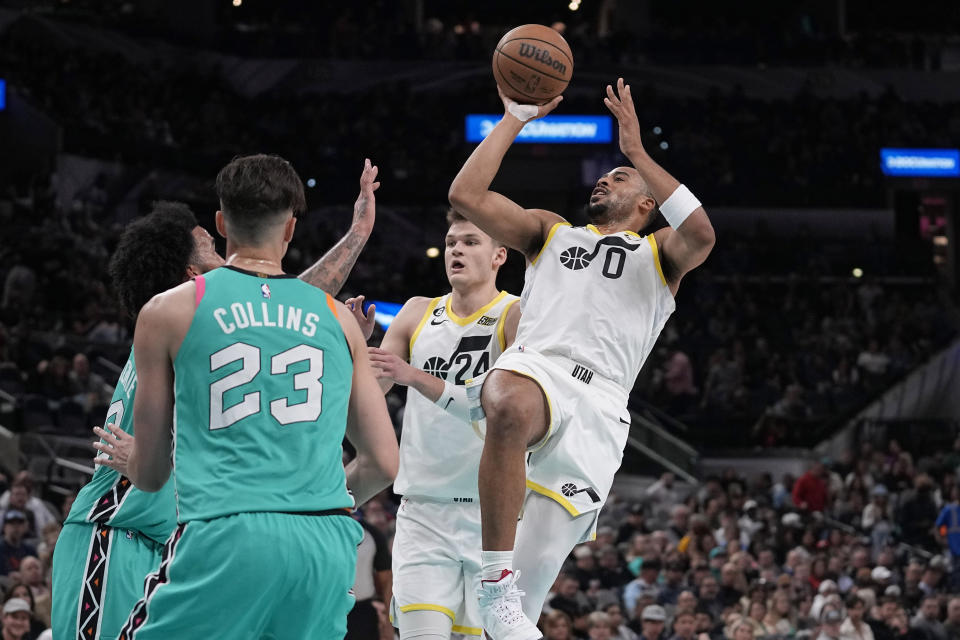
(557,626)
(33,504)
(31,572)
(678,382)
(709,597)
(89,388)
(19,498)
(672,584)
(12,547)
(38,620)
(830,625)
(598,626)
(569,598)
(679,522)
(733,584)
(16,619)
(810,490)
(613,574)
(932,576)
(662,496)
(586,566)
(684,625)
(740,629)
(918,513)
(781,618)
(927,620)
(618,627)
(854,627)
(952,625)
(902,629)
(652,621)
(873,361)
(878,509)
(792,404)
(52,378)
(633,525)
(645,583)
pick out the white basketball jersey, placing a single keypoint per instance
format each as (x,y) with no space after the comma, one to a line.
(439,454)
(599,300)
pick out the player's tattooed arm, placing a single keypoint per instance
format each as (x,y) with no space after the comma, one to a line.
(331,271)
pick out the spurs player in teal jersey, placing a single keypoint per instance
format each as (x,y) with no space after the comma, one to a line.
(595,299)
(114,534)
(434,346)
(257,377)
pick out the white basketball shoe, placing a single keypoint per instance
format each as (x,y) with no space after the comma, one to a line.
(500,612)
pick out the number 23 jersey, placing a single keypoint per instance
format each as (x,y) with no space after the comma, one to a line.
(262,382)
(439,454)
(599,300)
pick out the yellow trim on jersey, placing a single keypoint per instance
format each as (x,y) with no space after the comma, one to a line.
(476,314)
(428,607)
(468,631)
(656,257)
(550,233)
(594,229)
(632,233)
(423,321)
(566,504)
(501,323)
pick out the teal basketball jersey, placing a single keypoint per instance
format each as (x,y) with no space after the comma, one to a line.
(262,385)
(110,498)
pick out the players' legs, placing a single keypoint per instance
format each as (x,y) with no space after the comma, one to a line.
(518,415)
(546,536)
(425,625)
(98,574)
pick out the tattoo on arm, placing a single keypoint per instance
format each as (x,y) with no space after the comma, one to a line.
(331,271)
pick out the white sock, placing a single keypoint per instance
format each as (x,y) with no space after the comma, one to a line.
(493,563)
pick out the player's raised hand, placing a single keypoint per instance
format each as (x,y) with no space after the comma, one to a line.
(621,106)
(115,449)
(364,209)
(527,112)
(387,365)
(367,321)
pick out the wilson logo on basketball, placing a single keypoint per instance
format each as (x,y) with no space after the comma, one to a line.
(542,56)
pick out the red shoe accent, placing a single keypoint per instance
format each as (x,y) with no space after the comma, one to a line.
(503,574)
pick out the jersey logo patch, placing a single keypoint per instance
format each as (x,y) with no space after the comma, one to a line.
(570,490)
(265,290)
(576,257)
(436,314)
(487,321)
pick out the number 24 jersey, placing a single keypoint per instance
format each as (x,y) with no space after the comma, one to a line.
(439,454)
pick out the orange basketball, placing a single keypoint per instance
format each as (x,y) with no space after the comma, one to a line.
(532,64)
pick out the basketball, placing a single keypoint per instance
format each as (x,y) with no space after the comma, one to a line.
(532,64)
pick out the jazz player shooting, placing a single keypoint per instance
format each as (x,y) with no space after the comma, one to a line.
(594,302)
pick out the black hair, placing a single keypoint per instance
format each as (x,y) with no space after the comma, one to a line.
(853,600)
(255,192)
(153,254)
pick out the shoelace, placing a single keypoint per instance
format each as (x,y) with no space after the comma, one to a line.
(511,594)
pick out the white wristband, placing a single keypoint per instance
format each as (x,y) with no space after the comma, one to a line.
(523,112)
(453,400)
(678,206)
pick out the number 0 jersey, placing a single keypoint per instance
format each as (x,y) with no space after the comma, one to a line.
(599,300)
(262,384)
(110,498)
(439,454)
